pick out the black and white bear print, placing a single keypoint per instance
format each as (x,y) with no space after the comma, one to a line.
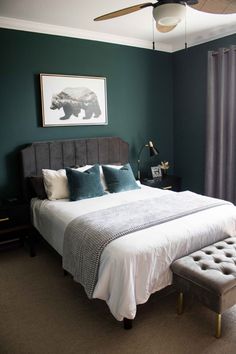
(75,99)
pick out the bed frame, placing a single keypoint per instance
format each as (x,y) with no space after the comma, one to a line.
(57,154)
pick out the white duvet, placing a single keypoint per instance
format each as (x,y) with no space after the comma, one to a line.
(134,266)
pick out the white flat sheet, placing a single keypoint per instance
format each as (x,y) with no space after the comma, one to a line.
(136,265)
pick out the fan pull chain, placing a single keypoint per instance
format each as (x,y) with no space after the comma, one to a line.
(185,31)
(153,34)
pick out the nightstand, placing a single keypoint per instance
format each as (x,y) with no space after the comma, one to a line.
(15,224)
(168,182)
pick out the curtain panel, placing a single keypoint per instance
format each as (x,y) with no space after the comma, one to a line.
(220,168)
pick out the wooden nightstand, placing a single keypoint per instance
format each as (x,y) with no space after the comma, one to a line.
(168,182)
(15,224)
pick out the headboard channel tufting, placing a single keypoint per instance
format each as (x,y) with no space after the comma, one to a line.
(58,154)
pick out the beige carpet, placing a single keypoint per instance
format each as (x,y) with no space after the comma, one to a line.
(41,311)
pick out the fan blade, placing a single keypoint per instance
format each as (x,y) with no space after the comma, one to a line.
(216,6)
(125,11)
(165,29)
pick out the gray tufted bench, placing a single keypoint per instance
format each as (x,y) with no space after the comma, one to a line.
(210,275)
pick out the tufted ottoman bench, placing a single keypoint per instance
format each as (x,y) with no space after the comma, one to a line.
(210,275)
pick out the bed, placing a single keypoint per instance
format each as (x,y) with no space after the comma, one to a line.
(133,266)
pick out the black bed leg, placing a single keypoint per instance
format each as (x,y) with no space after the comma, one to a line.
(127,323)
(31,242)
(65,272)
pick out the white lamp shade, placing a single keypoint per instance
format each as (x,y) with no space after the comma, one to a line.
(167,16)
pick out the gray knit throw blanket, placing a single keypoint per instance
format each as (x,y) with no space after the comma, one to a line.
(86,236)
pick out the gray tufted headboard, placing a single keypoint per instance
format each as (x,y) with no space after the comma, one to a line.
(58,154)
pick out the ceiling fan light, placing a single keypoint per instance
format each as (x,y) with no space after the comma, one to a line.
(164,29)
(169,21)
(169,15)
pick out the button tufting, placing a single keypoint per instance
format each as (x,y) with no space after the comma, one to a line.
(228,255)
(219,247)
(230,242)
(226,272)
(196,258)
(208,252)
(204,267)
(217,260)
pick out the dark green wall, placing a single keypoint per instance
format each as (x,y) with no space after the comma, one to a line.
(139,86)
(141,102)
(190,88)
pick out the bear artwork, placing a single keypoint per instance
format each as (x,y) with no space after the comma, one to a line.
(73,99)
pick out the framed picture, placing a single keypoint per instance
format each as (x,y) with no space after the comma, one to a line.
(73,100)
(156,171)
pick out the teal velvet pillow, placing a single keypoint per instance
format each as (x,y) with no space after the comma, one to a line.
(119,180)
(84,185)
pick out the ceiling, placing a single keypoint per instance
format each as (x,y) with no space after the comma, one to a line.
(74,18)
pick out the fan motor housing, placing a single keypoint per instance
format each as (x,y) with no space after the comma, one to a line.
(164,2)
(168,15)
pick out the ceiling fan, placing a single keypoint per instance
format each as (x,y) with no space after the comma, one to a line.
(168,13)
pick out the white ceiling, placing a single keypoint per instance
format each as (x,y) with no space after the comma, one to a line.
(75,18)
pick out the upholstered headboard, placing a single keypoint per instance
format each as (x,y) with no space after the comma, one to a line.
(58,154)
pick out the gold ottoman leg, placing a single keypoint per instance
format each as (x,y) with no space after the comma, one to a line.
(180,303)
(218,325)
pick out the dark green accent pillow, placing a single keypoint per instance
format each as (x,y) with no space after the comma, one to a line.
(119,180)
(84,185)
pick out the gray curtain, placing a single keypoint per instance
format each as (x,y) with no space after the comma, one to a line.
(220,169)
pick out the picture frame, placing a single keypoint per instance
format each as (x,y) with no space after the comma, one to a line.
(156,171)
(69,100)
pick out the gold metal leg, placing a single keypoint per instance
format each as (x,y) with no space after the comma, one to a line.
(180,303)
(218,325)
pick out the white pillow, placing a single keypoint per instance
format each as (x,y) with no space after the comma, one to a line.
(83,168)
(56,184)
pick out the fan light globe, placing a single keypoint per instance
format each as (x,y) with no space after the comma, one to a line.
(168,16)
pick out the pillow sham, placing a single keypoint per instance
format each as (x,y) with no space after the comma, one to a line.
(86,167)
(84,185)
(38,186)
(119,180)
(56,184)
(103,181)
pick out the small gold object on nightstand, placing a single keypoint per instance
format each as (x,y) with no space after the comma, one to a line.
(164,166)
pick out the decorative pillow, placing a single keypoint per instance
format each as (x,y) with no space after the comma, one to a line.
(103,181)
(119,180)
(84,185)
(38,186)
(86,167)
(56,184)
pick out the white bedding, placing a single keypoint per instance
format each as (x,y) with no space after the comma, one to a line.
(136,265)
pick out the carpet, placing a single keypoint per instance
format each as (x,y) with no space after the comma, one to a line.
(44,312)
